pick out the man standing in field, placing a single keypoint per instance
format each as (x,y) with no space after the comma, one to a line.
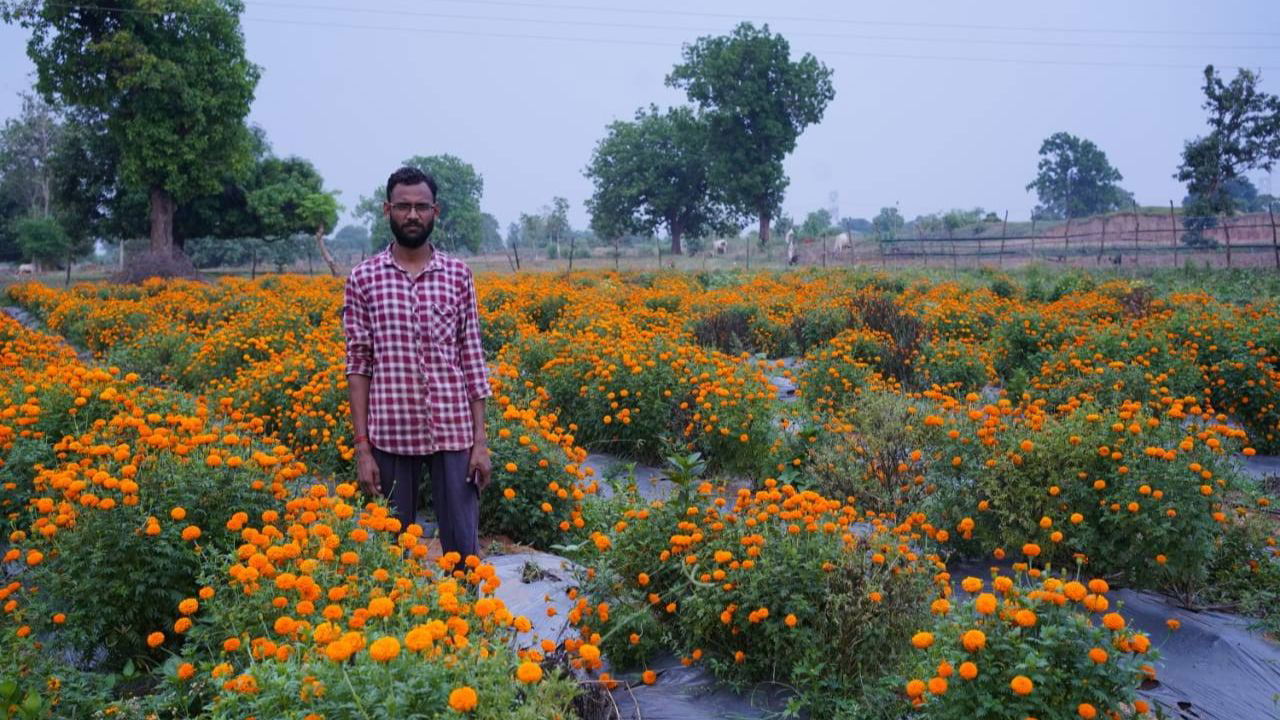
(415,370)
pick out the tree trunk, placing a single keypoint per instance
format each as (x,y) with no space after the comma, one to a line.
(764,228)
(162,211)
(324,251)
(676,233)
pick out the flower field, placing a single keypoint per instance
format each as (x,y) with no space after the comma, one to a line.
(184,537)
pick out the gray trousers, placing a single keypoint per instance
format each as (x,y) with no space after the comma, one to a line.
(456,500)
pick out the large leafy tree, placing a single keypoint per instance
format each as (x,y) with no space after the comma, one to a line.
(817,224)
(887,224)
(169,82)
(652,172)
(1074,179)
(1244,134)
(757,102)
(290,199)
(28,144)
(458,225)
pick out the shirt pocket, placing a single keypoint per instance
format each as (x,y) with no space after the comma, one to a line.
(442,323)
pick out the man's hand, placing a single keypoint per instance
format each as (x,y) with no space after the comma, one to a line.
(479,468)
(367,475)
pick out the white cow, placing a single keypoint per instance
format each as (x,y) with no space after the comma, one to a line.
(27,269)
(721,245)
(842,242)
(792,256)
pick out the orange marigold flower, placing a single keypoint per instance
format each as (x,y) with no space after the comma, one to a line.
(1021,685)
(922,640)
(463,699)
(155,639)
(968,670)
(529,672)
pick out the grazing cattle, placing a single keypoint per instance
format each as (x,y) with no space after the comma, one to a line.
(721,245)
(792,256)
(27,269)
(842,242)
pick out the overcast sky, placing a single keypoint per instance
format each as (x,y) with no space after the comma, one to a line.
(939,104)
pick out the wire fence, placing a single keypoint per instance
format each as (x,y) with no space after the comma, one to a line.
(1139,237)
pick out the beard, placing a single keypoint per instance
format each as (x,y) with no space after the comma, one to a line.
(412,234)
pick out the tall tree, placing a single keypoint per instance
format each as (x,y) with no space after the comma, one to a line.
(652,172)
(291,199)
(887,224)
(27,147)
(169,79)
(1075,179)
(757,102)
(458,223)
(28,144)
(1244,134)
(817,224)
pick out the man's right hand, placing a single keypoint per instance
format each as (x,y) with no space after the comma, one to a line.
(367,473)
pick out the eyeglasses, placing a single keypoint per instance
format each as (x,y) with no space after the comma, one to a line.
(422,208)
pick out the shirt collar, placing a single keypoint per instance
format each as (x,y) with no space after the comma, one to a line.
(437,262)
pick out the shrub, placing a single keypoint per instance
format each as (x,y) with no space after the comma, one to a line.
(110,547)
(1019,649)
(774,585)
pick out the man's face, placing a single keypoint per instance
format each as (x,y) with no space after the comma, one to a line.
(412,214)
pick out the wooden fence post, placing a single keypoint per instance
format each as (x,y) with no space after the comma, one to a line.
(1066,238)
(1102,242)
(1271,212)
(1173,231)
(1226,228)
(1004,231)
(1137,222)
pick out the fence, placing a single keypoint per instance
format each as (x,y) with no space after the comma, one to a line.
(1135,238)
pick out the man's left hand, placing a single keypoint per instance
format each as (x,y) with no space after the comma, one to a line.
(480,470)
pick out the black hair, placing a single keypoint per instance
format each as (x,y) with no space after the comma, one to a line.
(411,176)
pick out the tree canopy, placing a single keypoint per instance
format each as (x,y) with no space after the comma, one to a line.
(1075,179)
(1244,134)
(652,172)
(757,102)
(168,82)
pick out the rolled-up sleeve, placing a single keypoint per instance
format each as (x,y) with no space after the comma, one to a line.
(358,329)
(474,372)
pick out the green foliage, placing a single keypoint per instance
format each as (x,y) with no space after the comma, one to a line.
(1244,134)
(887,224)
(817,224)
(757,102)
(1076,180)
(653,172)
(1052,652)
(44,240)
(170,84)
(458,223)
(764,600)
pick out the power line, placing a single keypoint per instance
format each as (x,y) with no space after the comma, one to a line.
(847,21)
(833,36)
(668,44)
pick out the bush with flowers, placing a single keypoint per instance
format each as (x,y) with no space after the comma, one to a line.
(774,585)
(538,481)
(326,609)
(1122,489)
(1018,647)
(120,521)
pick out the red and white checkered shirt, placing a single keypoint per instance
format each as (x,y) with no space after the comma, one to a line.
(418,339)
